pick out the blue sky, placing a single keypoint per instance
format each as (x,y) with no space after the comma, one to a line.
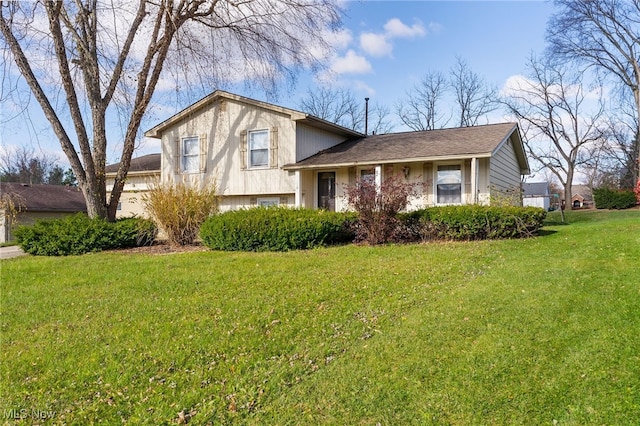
(495,38)
(385,48)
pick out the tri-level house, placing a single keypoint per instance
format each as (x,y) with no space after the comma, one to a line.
(263,154)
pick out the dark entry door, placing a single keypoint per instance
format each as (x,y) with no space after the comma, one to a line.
(327,191)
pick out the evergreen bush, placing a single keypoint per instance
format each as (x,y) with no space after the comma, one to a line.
(606,198)
(474,222)
(78,234)
(276,229)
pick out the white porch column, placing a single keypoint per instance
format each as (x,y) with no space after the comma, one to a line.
(378,177)
(298,179)
(474,180)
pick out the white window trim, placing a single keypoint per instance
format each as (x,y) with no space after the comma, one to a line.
(183,155)
(435,182)
(249,150)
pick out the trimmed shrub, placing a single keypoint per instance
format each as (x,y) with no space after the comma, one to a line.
(474,222)
(179,209)
(79,234)
(276,229)
(606,198)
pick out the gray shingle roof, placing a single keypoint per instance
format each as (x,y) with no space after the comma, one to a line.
(535,189)
(463,141)
(149,162)
(46,198)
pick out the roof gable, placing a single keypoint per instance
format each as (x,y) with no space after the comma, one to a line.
(46,197)
(535,189)
(156,131)
(463,142)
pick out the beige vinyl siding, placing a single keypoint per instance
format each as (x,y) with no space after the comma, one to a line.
(308,188)
(223,125)
(484,188)
(504,170)
(467,196)
(136,185)
(312,141)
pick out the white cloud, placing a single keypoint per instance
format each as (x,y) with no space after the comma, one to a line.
(379,44)
(435,27)
(515,84)
(375,44)
(395,28)
(340,39)
(351,63)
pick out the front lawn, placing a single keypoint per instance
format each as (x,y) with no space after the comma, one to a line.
(536,331)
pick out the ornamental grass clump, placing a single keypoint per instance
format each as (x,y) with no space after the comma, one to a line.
(180,208)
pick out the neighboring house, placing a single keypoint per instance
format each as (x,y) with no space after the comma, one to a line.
(38,202)
(581,197)
(263,154)
(536,194)
(143,171)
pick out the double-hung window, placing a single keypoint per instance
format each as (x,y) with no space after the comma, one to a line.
(259,148)
(190,155)
(368,176)
(449,184)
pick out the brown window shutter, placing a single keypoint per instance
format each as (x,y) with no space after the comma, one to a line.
(203,152)
(273,152)
(177,154)
(243,150)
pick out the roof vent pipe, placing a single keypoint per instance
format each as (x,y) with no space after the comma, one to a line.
(366,116)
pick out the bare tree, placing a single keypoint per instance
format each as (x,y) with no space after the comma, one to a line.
(379,121)
(620,153)
(86,59)
(474,97)
(341,106)
(335,105)
(23,165)
(419,110)
(604,34)
(557,129)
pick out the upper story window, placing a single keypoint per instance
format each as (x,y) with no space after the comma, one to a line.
(259,148)
(190,155)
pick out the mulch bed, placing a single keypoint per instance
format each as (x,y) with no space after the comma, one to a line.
(163,248)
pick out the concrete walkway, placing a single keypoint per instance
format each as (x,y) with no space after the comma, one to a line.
(10,252)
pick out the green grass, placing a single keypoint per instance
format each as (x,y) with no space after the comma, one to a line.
(537,331)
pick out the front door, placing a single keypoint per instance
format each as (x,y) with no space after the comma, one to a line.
(327,191)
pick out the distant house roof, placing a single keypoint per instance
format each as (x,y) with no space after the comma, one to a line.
(462,142)
(146,163)
(535,189)
(46,198)
(582,191)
